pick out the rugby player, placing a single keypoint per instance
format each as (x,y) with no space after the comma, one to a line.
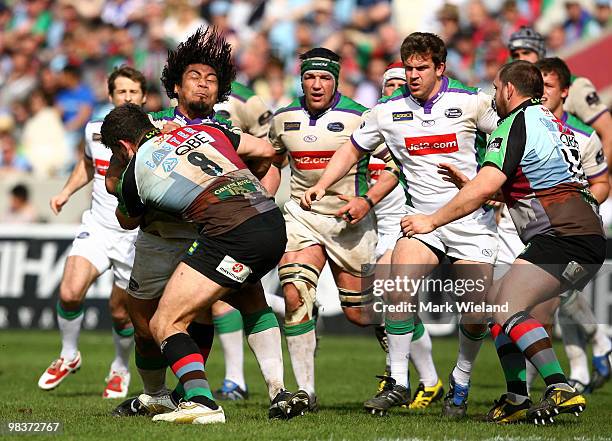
(533,158)
(389,212)
(434,119)
(195,172)
(100,244)
(309,131)
(163,238)
(583,102)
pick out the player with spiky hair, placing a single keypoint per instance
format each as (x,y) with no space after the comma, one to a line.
(207,47)
(190,77)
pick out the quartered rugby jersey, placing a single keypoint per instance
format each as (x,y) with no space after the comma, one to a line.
(158,222)
(311,141)
(246,111)
(194,172)
(103,204)
(546,190)
(450,127)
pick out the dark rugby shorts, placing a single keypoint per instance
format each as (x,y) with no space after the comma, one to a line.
(243,254)
(553,254)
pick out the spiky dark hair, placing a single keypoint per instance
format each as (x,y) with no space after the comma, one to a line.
(205,46)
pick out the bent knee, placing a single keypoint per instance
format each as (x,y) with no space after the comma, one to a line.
(357,316)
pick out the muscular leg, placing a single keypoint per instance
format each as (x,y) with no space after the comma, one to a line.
(523,287)
(78,276)
(123,331)
(355,297)
(228,325)
(411,259)
(187,293)
(473,327)
(263,334)
(299,291)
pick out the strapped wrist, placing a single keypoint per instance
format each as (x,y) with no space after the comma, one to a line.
(368,200)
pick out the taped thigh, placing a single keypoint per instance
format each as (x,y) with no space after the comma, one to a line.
(355,299)
(305,279)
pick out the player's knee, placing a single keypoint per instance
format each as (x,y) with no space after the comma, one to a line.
(71,297)
(357,316)
(299,282)
(158,327)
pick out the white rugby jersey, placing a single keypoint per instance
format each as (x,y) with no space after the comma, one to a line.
(103,204)
(451,127)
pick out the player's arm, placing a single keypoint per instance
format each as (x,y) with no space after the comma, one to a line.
(258,152)
(339,165)
(122,184)
(82,174)
(603,127)
(363,140)
(595,167)
(600,187)
(469,199)
(272,180)
(504,153)
(359,206)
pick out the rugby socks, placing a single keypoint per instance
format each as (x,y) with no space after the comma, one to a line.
(575,343)
(302,342)
(602,344)
(512,361)
(229,330)
(531,338)
(399,334)
(420,355)
(151,365)
(203,336)
(69,323)
(123,337)
(469,345)
(263,335)
(185,360)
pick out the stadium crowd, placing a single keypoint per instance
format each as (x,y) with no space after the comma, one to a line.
(55,55)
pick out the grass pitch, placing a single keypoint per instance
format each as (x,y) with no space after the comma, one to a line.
(345,378)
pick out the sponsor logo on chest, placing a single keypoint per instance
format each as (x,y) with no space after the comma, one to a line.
(335,126)
(291,126)
(431,145)
(101,166)
(453,112)
(402,116)
(310,160)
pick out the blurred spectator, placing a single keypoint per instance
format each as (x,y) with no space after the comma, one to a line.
(120,13)
(579,24)
(11,161)
(44,139)
(324,25)
(368,14)
(555,40)
(21,79)
(20,209)
(75,101)
(603,14)
(368,92)
(154,101)
(183,19)
(448,16)
(275,86)
(511,19)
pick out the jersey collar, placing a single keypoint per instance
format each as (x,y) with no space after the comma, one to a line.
(313,118)
(147,136)
(564,117)
(428,105)
(527,103)
(179,115)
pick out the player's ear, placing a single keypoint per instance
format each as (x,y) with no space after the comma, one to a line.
(440,68)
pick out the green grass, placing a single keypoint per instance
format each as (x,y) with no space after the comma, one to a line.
(345,378)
